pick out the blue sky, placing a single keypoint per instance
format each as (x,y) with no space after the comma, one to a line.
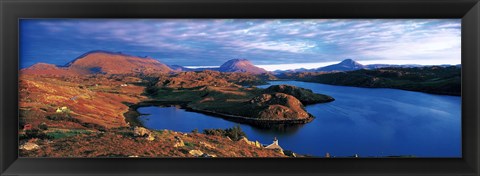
(268,43)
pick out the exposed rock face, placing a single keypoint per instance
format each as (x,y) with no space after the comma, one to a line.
(207,145)
(253,143)
(29,146)
(143,132)
(205,155)
(196,153)
(178,142)
(278,106)
(306,96)
(150,137)
(140,132)
(241,65)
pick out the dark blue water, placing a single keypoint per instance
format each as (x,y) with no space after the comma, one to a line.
(363,121)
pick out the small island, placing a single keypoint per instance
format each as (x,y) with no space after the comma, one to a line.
(220,94)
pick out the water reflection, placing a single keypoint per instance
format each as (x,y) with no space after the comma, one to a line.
(363,121)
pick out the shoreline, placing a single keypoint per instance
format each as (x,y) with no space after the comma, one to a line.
(131,116)
(427,92)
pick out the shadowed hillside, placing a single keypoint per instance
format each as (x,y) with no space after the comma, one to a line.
(433,79)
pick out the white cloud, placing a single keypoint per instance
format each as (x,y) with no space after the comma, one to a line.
(288,46)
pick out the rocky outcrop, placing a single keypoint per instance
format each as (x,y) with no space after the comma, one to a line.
(143,132)
(207,145)
(253,143)
(199,153)
(29,146)
(140,132)
(196,153)
(178,142)
(278,106)
(306,96)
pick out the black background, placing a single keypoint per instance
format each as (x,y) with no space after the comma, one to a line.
(12,10)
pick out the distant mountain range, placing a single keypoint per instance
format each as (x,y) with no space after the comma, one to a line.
(233,65)
(106,62)
(351,65)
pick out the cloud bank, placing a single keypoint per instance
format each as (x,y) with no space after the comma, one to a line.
(207,42)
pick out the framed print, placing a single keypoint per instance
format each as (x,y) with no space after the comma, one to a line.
(244,87)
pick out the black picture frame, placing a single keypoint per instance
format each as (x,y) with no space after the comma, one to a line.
(467,10)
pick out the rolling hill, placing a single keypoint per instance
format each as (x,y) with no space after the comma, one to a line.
(102,62)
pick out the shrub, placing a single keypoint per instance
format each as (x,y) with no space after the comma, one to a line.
(95,126)
(43,126)
(214,132)
(60,134)
(188,144)
(59,117)
(34,133)
(235,133)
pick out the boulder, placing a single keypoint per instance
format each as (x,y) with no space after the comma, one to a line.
(29,146)
(253,143)
(196,153)
(208,156)
(178,142)
(257,144)
(150,137)
(141,132)
(207,145)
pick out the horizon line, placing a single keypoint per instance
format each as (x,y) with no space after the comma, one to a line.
(314,65)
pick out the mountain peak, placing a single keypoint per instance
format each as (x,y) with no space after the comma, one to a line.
(99,61)
(237,61)
(240,65)
(349,61)
(97,52)
(345,65)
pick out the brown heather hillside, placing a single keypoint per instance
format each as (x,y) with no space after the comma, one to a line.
(48,69)
(102,62)
(208,78)
(121,143)
(87,108)
(93,123)
(95,99)
(114,63)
